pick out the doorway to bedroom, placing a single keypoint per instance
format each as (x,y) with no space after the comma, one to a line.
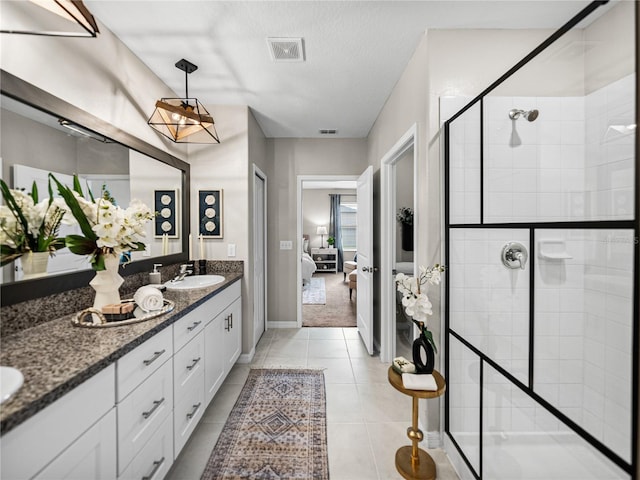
(329,252)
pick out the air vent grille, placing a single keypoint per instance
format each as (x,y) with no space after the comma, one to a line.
(286,49)
(328,131)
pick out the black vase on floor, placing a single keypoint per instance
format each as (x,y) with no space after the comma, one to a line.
(407,237)
(423,355)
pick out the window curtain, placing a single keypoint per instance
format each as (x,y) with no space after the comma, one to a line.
(335,227)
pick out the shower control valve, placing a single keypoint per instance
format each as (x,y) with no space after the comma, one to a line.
(514,255)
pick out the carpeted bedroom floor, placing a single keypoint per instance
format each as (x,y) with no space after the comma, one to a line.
(339,311)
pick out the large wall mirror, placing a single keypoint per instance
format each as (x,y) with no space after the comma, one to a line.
(43,134)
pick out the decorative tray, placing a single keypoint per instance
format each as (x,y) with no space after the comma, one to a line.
(94,318)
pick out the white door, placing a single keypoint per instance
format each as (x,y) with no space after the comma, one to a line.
(364,237)
(259,258)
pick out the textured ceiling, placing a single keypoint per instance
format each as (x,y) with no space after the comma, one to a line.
(355,51)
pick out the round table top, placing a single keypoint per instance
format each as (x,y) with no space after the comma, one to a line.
(395,379)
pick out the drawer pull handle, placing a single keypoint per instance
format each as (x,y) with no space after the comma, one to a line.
(195,362)
(156,355)
(195,324)
(193,412)
(156,466)
(228,325)
(156,404)
(231,317)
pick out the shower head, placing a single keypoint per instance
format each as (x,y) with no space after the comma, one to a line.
(531,115)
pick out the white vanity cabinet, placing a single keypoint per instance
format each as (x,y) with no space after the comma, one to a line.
(74,437)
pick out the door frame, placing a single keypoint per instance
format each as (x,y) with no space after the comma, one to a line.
(388,237)
(257,173)
(299,183)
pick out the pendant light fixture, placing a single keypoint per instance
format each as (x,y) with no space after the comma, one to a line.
(52,18)
(184,120)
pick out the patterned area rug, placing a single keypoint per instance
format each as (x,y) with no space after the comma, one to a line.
(314,293)
(277,429)
(339,311)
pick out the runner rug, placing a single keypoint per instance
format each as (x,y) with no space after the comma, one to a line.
(276,430)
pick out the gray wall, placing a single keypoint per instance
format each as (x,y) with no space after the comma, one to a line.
(289,158)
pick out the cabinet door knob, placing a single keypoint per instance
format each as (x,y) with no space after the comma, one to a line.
(156,355)
(195,324)
(193,412)
(156,404)
(156,466)
(195,362)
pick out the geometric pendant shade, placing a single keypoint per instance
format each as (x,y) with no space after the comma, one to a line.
(184,120)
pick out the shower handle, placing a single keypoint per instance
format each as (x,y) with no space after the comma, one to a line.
(514,255)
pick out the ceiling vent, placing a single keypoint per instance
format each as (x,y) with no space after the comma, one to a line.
(286,49)
(328,131)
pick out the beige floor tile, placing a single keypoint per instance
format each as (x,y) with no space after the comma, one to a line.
(350,455)
(328,349)
(343,404)
(336,370)
(289,347)
(350,333)
(222,404)
(370,370)
(382,403)
(238,374)
(277,361)
(297,333)
(386,439)
(325,333)
(194,456)
(357,349)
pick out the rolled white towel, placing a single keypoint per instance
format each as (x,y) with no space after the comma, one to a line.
(148,298)
(413,381)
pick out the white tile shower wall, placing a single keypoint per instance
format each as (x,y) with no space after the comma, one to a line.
(610,140)
(574,162)
(490,303)
(464,167)
(583,331)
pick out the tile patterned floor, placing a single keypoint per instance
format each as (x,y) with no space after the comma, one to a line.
(367,419)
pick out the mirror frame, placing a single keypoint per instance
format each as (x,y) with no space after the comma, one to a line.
(25,92)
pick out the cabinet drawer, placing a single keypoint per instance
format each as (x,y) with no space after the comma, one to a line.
(26,449)
(137,365)
(187,412)
(156,457)
(188,364)
(142,412)
(189,326)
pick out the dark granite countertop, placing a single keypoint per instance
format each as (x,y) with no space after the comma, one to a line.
(56,356)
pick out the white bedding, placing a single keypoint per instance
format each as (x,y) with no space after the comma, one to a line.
(308,267)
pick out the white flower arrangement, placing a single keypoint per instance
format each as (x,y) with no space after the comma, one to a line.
(414,297)
(106,227)
(28,225)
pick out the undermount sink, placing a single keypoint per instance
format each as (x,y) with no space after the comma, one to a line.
(196,281)
(10,382)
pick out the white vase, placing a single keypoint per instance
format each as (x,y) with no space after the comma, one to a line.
(107,282)
(34,264)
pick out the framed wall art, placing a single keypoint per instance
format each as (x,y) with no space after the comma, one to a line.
(210,213)
(167,219)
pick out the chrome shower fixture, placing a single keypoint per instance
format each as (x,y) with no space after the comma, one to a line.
(531,115)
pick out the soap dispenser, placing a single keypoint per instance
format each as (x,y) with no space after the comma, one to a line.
(155,277)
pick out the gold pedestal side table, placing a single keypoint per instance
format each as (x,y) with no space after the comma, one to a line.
(412,462)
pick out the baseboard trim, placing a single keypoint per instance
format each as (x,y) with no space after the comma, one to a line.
(245,358)
(282,324)
(434,440)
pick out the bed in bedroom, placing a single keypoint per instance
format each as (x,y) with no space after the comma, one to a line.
(308,265)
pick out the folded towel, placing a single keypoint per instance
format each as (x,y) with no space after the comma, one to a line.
(149,298)
(414,381)
(402,365)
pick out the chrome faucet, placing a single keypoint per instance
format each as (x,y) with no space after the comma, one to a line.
(185,270)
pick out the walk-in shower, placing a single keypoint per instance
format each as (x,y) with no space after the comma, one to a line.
(541,234)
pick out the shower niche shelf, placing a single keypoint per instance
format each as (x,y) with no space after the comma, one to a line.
(553,249)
